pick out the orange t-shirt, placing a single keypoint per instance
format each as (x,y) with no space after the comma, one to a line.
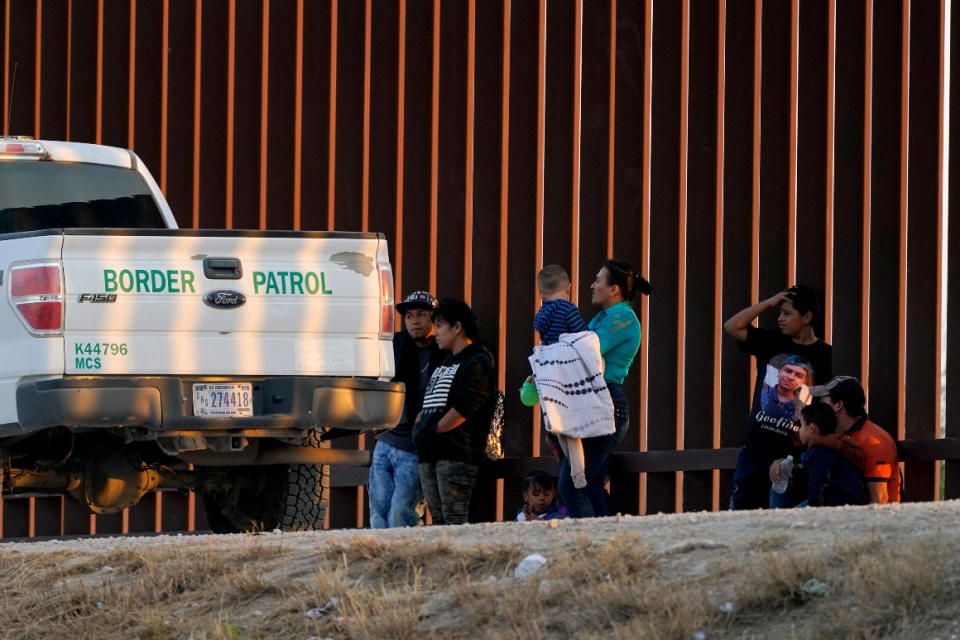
(879,455)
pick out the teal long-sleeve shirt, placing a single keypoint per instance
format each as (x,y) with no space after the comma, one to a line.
(619,331)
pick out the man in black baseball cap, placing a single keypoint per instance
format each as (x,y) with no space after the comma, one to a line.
(394,483)
(880,468)
(417,300)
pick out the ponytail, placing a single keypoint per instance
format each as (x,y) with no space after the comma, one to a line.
(623,275)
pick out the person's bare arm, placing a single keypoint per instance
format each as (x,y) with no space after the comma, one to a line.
(737,324)
(878,492)
(450,421)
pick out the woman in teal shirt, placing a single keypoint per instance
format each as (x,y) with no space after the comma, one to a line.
(618,328)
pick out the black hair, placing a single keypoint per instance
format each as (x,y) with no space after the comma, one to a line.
(804,300)
(623,275)
(850,393)
(537,478)
(822,415)
(454,311)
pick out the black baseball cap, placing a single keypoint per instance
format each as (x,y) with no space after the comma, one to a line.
(844,389)
(417,300)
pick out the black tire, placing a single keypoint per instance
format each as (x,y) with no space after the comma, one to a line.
(286,497)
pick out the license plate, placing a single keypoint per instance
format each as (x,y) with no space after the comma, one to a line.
(231,399)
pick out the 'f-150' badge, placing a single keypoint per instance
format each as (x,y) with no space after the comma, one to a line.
(97,297)
(224,299)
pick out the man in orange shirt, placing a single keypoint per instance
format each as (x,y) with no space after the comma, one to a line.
(881,470)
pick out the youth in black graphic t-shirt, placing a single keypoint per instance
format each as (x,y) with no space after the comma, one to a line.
(767,437)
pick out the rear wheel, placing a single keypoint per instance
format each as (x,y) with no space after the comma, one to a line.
(287,497)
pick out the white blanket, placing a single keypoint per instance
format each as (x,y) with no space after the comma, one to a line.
(573,394)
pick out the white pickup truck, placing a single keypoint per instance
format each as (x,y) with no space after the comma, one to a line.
(132,349)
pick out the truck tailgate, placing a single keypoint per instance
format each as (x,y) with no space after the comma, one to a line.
(223,303)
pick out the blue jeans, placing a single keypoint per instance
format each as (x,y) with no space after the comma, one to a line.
(591,501)
(394,487)
(780,500)
(751,480)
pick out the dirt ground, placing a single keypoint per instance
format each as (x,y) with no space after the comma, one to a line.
(866,572)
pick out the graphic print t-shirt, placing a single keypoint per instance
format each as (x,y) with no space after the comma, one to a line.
(770,428)
(438,388)
(465,382)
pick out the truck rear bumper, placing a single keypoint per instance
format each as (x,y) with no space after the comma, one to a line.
(165,403)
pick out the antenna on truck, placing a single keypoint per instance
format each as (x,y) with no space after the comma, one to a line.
(13,84)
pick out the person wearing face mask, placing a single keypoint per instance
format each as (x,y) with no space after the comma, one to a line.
(763,448)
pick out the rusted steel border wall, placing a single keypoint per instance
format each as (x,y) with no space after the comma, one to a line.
(728,148)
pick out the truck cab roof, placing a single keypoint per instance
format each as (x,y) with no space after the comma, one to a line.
(17,195)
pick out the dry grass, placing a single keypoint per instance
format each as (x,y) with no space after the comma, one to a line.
(874,588)
(616,585)
(771,542)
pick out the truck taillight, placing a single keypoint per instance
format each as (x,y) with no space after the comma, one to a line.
(21,146)
(28,281)
(36,294)
(41,316)
(386,303)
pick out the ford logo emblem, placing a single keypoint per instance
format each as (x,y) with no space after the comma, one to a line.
(224,299)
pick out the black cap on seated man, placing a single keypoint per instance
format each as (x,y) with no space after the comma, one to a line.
(846,387)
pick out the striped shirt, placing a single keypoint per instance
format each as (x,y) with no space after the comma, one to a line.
(557,317)
(465,383)
(438,389)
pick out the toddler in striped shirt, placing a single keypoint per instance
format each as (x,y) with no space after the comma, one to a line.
(557,315)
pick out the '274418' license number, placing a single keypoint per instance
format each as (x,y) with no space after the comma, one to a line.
(231,399)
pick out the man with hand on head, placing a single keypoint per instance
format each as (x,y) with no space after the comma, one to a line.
(767,440)
(797,310)
(394,484)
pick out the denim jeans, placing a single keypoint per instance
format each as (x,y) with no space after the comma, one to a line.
(751,480)
(393,487)
(780,500)
(591,501)
(447,485)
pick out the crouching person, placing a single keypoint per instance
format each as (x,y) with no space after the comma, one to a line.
(540,498)
(868,446)
(451,431)
(833,481)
